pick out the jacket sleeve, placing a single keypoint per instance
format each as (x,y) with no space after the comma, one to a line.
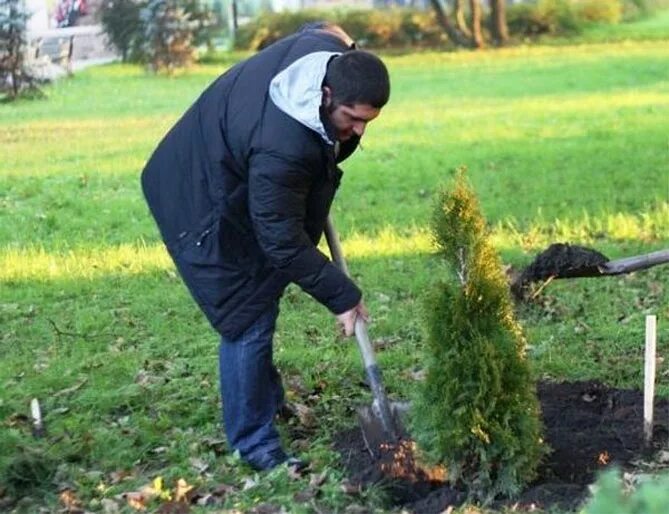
(278,191)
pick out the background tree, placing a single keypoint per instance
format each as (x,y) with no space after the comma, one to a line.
(168,35)
(498,25)
(14,75)
(163,33)
(121,22)
(455,34)
(477,411)
(459,11)
(206,23)
(460,33)
(477,35)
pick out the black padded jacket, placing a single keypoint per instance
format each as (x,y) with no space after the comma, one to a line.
(240,191)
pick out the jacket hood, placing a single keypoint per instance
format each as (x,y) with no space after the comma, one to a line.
(297,90)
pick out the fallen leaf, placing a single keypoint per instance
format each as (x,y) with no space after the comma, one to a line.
(385,342)
(222,490)
(294,473)
(295,386)
(318,479)
(70,501)
(249,483)
(136,500)
(357,509)
(305,415)
(200,465)
(418,375)
(173,508)
(143,378)
(157,489)
(17,420)
(58,411)
(304,496)
(69,390)
(109,506)
(117,476)
(348,488)
(182,490)
(300,445)
(217,445)
(663,457)
(207,500)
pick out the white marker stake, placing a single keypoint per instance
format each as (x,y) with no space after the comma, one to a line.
(649,379)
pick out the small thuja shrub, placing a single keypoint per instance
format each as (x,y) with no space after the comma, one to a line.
(477,411)
(168,34)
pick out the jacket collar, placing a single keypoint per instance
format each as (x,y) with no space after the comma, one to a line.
(297,91)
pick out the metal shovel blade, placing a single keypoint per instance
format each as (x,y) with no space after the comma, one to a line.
(380,423)
(372,423)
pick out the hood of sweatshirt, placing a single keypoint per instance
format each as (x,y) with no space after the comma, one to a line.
(297,91)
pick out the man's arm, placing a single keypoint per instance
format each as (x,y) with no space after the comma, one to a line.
(278,192)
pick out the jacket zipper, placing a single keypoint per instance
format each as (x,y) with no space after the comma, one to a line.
(202,237)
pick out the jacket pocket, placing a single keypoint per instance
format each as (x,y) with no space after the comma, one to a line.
(211,269)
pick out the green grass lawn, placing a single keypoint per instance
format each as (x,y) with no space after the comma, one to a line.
(562,144)
(647,27)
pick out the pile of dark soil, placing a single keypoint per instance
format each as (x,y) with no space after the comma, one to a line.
(588,426)
(559,260)
(563,261)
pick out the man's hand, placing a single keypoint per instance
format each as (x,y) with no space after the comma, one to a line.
(346,320)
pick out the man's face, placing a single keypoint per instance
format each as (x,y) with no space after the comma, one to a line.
(349,120)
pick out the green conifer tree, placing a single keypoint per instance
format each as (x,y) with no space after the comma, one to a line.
(14,75)
(477,411)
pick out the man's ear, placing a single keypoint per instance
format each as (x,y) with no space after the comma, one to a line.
(327,96)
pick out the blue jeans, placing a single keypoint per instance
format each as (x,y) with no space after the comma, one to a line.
(251,389)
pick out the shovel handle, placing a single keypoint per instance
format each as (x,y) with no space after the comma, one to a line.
(366,350)
(635,263)
(361,334)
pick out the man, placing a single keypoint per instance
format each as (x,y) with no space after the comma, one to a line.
(241,187)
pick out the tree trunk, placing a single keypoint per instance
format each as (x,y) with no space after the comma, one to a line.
(235,11)
(460,20)
(477,35)
(498,26)
(444,21)
(13,59)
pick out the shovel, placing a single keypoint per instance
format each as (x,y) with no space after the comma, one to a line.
(627,265)
(380,422)
(570,261)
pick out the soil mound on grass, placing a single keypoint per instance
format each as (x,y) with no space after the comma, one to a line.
(588,426)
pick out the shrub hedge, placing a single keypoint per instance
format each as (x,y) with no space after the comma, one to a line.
(372,28)
(401,28)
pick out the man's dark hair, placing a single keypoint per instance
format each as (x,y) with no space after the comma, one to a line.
(358,77)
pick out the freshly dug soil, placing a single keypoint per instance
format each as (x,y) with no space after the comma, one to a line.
(564,260)
(559,260)
(587,425)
